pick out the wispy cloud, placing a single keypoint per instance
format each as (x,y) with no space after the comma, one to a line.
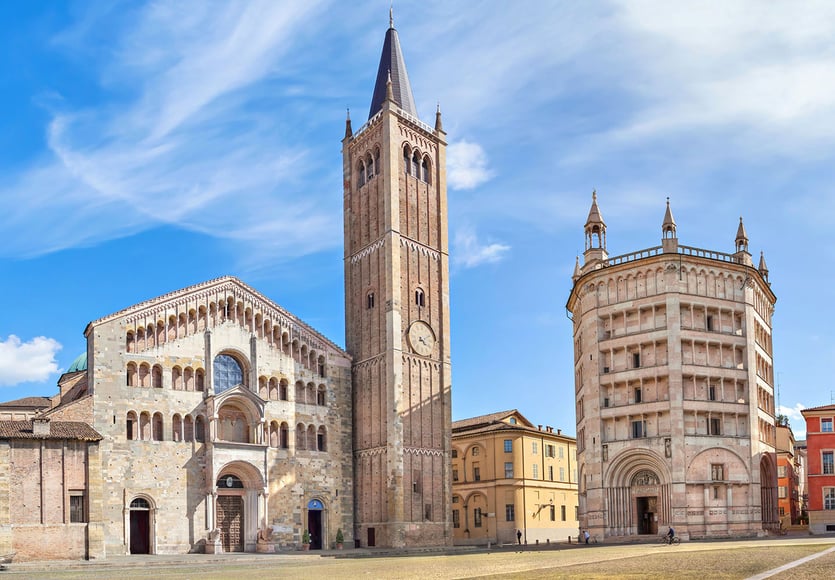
(469,251)
(22,362)
(467,165)
(796,420)
(179,142)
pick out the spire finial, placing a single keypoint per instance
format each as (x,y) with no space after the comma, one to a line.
(439,126)
(389,91)
(391,15)
(594,194)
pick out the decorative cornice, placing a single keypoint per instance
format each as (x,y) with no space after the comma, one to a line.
(423,451)
(420,248)
(371,452)
(367,250)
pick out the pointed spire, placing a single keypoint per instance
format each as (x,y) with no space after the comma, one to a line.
(762,267)
(439,126)
(348,131)
(595,233)
(594,212)
(669,225)
(392,65)
(391,15)
(741,238)
(576,269)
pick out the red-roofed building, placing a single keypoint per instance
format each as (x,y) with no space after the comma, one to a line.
(820,445)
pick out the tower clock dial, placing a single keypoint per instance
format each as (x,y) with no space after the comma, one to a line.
(421,338)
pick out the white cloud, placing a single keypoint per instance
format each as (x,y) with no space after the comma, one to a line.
(180,142)
(466,165)
(796,420)
(469,252)
(22,362)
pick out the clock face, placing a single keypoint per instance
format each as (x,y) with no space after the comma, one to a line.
(421,338)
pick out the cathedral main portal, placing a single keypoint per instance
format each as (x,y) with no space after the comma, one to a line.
(230,519)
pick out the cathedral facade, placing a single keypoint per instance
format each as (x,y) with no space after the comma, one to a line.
(210,419)
(674,388)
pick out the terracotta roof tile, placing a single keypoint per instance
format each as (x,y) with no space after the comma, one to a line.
(28,402)
(57,430)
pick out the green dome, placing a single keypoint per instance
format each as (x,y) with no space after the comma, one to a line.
(79,364)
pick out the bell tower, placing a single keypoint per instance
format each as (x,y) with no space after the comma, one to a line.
(397,315)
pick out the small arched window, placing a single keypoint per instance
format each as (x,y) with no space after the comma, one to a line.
(369,168)
(284,436)
(300,437)
(188,429)
(177,378)
(369,300)
(132,427)
(157,427)
(425,170)
(361,174)
(377,161)
(407,165)
(140,504)
(130,342)
(177,428)
(320,395)
(420,298)
(156,378)
(282,390)
(200,429)
(416,165)
(131,374)
(322,439)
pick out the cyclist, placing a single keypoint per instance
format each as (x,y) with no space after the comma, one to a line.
(670,535)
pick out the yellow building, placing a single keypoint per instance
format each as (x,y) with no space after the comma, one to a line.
(511,476)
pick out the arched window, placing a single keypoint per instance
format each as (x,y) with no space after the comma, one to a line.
(311,438)
(377,161)
(369,168)
(156,379)
(188,378)
(273,434)
(200,429)
(320,395)
(132,426)
(300,437)
(188,429)
(273,389)
(144,374)
(425,170)
(176,428)
(262,388)
(322,439)
(177,378)
(227,374)
(310,396)
(407,166)
(284,436)
(140,338)
(321,365)
(130,342)
(282,390)
(140,504)
(420,298)
(145,425)
(300,392)
(157,427)
(199,376)
(360,174)
(172,328)
(131,374)
(416,165)
(369,300)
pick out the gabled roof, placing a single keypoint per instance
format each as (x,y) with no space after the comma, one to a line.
(57,430)
(28,402)
(224,283)
(823,408)
(392,63)
(491,419)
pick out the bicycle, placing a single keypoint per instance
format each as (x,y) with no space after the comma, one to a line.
(665,539)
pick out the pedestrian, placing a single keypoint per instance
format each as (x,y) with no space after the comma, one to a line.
(586,536)
(519,536)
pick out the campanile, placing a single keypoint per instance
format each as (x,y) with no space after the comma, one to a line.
(397,315)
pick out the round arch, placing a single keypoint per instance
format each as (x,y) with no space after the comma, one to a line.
(140,524)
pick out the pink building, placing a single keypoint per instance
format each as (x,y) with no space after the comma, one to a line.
(820,445)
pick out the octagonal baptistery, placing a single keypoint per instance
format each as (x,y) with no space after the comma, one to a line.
(674,388)
(226,424)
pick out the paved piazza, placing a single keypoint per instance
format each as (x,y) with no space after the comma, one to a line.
(697,560)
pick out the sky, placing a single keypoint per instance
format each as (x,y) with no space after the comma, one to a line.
(149,146)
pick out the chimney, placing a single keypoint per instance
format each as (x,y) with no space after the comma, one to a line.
(539,427)
(40,426)
(559,431)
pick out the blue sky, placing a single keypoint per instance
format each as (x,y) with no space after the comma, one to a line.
(148,146)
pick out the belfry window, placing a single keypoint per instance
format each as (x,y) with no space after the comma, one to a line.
(369,300)
(227,373)
(420,297)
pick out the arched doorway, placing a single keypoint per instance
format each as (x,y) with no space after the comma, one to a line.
(644,488)
(315,524)
(768,492)
(230,513)
(140,526)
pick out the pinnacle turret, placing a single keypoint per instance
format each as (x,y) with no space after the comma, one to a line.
(595,234)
